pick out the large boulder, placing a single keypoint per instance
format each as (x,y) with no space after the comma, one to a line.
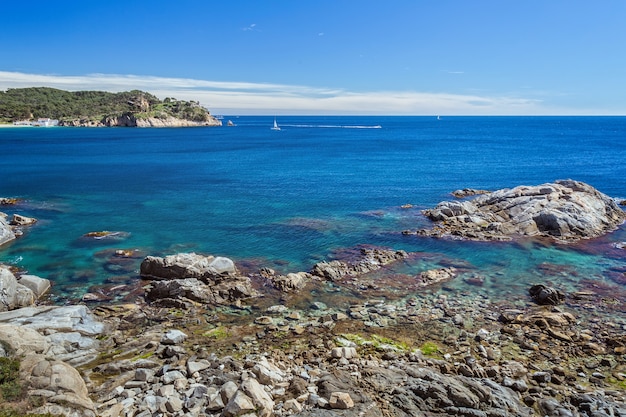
(187,278)
(565,210)
(60,385)
(6,233)
(13,294)
(187,265)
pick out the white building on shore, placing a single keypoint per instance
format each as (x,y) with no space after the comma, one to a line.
(45,122)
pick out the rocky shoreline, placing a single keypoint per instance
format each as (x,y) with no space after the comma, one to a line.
(203,337)
(129,120)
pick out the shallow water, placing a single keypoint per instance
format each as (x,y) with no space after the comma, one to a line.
(287,199)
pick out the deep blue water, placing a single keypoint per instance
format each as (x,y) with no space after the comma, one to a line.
(288,198)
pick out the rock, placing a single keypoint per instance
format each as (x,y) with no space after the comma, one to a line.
(292,406)
(106,235)
(6,233)
(435,276)
(19,220)
(366,260)
(39,286)
(187,265)
(343,352)
(61,385)
(546,295)
(291,282)
(23,339)
(263,320)
(173,337)
(9,201)
(8,290)
(261,399)
(239,405)
(267,373)
(227,391)
(71,332)
(565,210)
(197,366)
(340,400)
(188,278)
(468,192)
(13,295)
(182,292)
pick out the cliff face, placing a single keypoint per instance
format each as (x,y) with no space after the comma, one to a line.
(129,120)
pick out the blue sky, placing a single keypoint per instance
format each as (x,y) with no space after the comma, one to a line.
(329,57)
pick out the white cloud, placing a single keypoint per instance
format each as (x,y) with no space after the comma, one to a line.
(265,98)
(251,27)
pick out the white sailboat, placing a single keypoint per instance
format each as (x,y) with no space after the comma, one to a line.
(275,127)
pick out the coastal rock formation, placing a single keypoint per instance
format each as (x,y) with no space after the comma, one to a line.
(50,341)
(291,282)
(6,233)
(129,120)
(16,294)
(367,260)
(532,361)
(19,220)
(185,278)
(565,210)
(187,265)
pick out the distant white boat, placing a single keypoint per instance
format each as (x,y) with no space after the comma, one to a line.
(275,127)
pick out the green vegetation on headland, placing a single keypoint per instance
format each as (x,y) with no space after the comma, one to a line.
(94,107)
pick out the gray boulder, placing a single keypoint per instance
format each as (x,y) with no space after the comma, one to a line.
(565,210)
(6,233)
(39,286)
(187,265)
(70,332)
(13,294)
(186,278)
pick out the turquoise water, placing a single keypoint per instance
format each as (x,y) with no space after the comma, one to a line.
(290,198)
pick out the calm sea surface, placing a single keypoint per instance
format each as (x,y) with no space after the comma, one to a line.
(287,199)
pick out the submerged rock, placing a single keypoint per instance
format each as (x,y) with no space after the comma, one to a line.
(435,276)
(565,210)
(546,295)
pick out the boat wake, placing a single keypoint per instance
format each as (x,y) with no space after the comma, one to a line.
(337,126)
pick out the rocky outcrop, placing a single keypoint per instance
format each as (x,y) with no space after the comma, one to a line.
(367,260)
(6,233)
(291,282)
(50,341)
(129,120)
(14,294)
(184,278)
(565,210)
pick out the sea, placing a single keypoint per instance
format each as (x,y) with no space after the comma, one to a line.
(288,199)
